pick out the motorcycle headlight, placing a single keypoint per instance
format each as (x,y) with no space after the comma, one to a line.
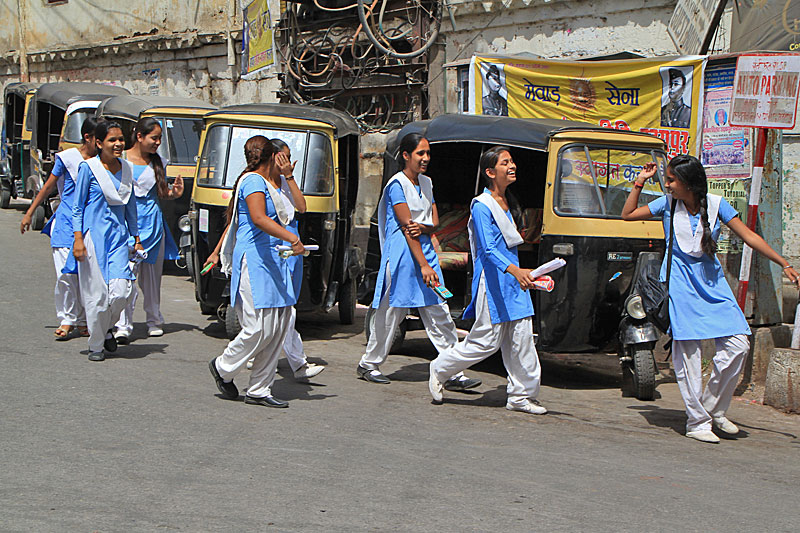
(635,308)
(184,224)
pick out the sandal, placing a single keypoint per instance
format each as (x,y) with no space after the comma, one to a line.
(63,333)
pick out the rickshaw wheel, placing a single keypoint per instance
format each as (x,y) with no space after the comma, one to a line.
(5,198)
(639,374)
(232,326)
(347,303)
(37,219)
(399,333)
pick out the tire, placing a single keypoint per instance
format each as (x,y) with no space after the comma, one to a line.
(207,309)
(189,260)
(38,218)
(399,333)
(639,374)
(232,326)
(5,198)
(347,303)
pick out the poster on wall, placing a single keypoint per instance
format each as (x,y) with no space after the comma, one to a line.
(660,96)
(725,149)
(257,41)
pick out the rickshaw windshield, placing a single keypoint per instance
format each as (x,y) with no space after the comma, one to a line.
(223,160)
(72,131)
(594,181)
(180,140)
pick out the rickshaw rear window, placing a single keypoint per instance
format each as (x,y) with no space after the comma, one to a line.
(180,140)
(595,181)
(72,131)
(223,157)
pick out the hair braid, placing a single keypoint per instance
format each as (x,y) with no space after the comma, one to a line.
(709,245)
(257,151)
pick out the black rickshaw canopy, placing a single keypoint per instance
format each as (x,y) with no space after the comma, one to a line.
(20,88)
(130,107)
(62,94)
(344,123)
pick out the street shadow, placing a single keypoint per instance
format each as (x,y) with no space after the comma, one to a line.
(137,351)
(673,419)
(759,428)
(215,329)
(140,330)
(491,398)
(415,372)
(289,389)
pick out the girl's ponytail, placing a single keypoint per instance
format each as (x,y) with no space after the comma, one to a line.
(709,245)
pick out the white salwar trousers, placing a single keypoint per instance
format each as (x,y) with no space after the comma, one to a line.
(103,301)
(515,341)
(261,339)
(149,277)
(438,323)
(69,307)
(293,344)
(703,405)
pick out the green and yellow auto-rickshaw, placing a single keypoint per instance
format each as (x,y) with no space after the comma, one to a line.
(572,181)
(181,122)
(325,144)
(16,162)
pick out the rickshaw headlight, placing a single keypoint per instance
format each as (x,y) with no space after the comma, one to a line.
(184,224)
(635,308)
(329,225)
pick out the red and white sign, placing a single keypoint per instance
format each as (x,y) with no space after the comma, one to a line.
(765,91)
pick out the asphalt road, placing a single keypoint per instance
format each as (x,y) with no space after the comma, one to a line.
(143,442)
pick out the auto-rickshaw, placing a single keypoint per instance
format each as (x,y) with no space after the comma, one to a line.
(57,114)
(16,162)
(181,122)
(572,181)
(325,144)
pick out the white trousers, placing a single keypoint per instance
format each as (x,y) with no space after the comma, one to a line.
(261,339)
(69,307)
(703,405)
(293,343)
(515,341)
(149,277)
(103,301)
(438,323)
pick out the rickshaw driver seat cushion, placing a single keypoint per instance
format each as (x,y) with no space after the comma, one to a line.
(451,240)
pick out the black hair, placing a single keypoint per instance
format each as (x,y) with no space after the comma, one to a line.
(88,127)
(689,171)
(278,145)
(493,71)
(489,159)
(408,144)
(101,131)
(257,150)
(144,127)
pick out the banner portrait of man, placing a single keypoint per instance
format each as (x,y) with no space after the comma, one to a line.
(676,89)
(495,93)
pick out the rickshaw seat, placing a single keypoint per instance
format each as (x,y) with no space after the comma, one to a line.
(451,241)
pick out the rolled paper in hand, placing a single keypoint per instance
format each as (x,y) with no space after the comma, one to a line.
(285,252)
(544,283)
(548,267)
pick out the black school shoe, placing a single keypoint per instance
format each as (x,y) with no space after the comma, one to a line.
(228,390)
(110,344)
(97,356)
(266,401)
(460,385)
(373,376)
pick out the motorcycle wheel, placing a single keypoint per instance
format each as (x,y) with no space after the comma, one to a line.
(399,333)
(639,374)
(38,218)
(5,198)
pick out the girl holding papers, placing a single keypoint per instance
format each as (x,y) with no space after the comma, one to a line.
(501,305)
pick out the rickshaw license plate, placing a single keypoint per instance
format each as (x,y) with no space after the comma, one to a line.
(620,256)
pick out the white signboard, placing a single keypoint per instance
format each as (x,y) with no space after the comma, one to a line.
(765,91)
(693,24)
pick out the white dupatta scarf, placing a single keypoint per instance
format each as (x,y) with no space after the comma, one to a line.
(71,158)
(113,195)
(421,207)
(507,228)
(229,239)
(147,179)
(690,242)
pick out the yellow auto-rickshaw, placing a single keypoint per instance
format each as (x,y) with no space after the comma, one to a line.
(325,144)
(16,160)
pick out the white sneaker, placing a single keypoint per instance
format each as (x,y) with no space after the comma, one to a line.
(154,331)
(308,371)
(703,435)
(527,406)
(725,425)
(435,386)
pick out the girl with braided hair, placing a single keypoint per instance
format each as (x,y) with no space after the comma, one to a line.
(262,292)
(701,304)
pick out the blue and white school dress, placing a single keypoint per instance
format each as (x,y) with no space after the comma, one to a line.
(262,291)
(502,310)
(69,307)
(157,242)
(105,211)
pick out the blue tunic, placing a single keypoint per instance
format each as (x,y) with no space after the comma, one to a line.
(701,303)
(59,227)
(270,276)
(507,301)
(109,226)
(152,228)
(408,288)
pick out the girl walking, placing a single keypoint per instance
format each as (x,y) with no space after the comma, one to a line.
(701,304)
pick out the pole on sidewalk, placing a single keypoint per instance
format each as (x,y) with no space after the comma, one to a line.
(752,214)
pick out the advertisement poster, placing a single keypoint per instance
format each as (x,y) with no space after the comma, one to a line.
(726,149)
(257,43)
(661,96)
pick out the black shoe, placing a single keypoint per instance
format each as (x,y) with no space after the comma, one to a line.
(110,344)
(97,356)
(266,401)
(374,376)
(228,390)
(460,385)
(122,339)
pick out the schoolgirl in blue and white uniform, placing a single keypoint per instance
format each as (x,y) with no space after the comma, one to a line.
(150,188)
(103,219)
(501,305)
(69,307)
(262,292)
(701,303)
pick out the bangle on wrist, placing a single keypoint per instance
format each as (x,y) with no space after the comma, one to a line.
(296,242)
(787,266)
(638,185)
(287,178)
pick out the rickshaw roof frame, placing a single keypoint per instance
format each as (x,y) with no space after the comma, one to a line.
(131,107)
(61,94)
(342,123)
(21,88)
